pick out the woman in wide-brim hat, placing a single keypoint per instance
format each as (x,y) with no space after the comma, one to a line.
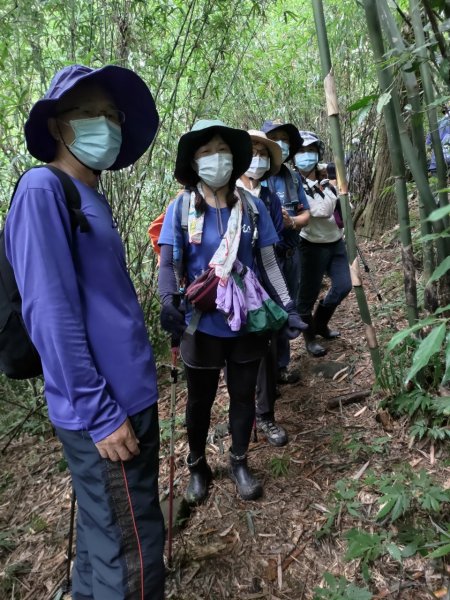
(286,184)
(266,162)
(81,311)
(219,229)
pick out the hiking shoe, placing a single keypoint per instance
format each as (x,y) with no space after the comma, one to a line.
(287,377)
(275,434)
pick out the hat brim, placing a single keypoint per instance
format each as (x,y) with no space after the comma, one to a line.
(274,151)
(295,139)
(237,139)
(130,94)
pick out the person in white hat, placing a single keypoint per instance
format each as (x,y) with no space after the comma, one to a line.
(266,161)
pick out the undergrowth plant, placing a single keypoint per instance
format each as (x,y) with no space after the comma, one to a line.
(409,499)
(416,369)
(338,588)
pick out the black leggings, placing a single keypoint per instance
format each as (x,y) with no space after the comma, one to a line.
(202,389)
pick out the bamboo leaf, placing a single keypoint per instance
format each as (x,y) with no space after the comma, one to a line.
(362,102)
(382,101)
(428,346)
(386,509)
(394,551)
(440,270)
(442,551)
(402,335)
(439,213)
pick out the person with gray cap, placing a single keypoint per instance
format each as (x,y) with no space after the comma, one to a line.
(82,313)
(288,186)
(322,248)
(219,230)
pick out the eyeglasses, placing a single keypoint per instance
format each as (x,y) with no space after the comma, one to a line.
(112,114)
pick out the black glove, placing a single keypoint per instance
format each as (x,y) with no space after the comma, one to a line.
(172,315)
(294,324)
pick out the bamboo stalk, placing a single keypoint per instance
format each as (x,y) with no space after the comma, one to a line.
(418,135)
(427,83)
(396,121)
(438,35)
(338,152)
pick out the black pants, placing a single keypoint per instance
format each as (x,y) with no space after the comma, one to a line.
(266,385)
(120,528)
(241,356)
(316,260)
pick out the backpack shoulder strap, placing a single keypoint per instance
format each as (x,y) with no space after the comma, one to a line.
(251,204)
(251,209)
(292,185)
(185,210)
(180,217)
(73,200)
(271,184)
(71,196)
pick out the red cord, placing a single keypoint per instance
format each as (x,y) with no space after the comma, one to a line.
(135,530)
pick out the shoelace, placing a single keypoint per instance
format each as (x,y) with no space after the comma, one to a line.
(271,427)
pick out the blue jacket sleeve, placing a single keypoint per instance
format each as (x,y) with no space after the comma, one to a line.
(39,246)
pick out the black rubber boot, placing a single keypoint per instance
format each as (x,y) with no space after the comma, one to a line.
(201,477)
(323,314)
(248,486)
(312,346)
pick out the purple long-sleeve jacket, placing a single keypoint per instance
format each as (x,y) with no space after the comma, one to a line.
(80,307)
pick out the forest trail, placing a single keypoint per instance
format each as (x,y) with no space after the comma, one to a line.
(268,549)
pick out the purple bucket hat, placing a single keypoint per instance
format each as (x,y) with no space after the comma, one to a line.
(129,92)
(295,139)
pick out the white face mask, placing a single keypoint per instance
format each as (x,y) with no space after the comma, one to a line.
(284,149)
(215,169)
(258,166)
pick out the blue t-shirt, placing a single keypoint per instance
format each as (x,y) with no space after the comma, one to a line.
(198,256)
(80,307)
(444,134)
(289,238)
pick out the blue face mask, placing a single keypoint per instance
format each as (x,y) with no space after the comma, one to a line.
(284,149)
(97,142)
(306,161)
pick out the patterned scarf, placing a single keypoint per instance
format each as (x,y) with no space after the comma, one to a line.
(225,255)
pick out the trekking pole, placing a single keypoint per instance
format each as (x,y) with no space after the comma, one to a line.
(255,433)
(173,384)
(67,585)
(369,273)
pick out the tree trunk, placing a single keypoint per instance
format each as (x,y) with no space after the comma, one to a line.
(380,212)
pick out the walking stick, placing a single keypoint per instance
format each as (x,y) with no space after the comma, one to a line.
(173,380)
(369,273)
(67,585)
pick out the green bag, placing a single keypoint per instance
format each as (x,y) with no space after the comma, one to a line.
(263,314)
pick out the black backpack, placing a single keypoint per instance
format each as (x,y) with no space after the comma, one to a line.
(19,359)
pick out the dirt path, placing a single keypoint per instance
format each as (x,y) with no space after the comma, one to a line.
(267,549)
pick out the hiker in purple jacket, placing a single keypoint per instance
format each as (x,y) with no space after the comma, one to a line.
(82,313)
(219,234)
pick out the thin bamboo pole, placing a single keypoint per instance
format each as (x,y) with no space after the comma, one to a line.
(418,135)
(386,81)
(338,152)
(398,164)
(427,83)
